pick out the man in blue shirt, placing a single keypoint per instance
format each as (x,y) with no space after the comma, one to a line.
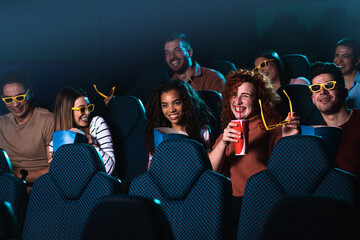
(347,56)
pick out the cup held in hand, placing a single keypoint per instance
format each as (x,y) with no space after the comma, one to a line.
(242,144)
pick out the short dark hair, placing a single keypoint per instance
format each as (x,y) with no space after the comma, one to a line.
(318,68)
(181,36)
(20,76)
(351,43)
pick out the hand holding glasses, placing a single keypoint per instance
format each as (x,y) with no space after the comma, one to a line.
(83,109)
(262,65)
(103,95)
(280,123)
(19,98)
(330,85)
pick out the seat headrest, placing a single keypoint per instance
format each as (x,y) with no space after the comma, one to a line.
(176,166)
(299,159)
(126,110)
(73,167)
(5,164)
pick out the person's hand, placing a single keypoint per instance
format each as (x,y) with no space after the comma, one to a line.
(230,134)
(74,130)
(91,140)
(51,157)
(292,127)
(107,100)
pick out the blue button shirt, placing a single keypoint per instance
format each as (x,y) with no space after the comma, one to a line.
(353,100)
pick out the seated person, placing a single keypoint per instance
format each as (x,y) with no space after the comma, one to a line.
(72,112)
(329,94)
(243,89)
(347,56)
(25,132)
(176,105)
(270,64)
(178,56)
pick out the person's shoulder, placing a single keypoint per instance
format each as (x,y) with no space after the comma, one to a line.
(43,112)
(210,71)
(6,117)
(97,119)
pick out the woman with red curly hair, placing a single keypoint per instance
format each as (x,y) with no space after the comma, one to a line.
(243,88)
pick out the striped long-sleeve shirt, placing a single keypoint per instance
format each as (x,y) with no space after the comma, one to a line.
(100,132)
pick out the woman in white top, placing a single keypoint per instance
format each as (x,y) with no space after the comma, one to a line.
(72,111)
(176,105)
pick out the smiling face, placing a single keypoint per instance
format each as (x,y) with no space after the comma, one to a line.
(344,58)
(172,108)
(271,70)
(327,101)
(177,56)
(243,101)
(21,110)
(81,119)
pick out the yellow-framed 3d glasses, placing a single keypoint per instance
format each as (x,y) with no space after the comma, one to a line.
(280,123)
(19,98)
(112,91)
(330,85)
(262,65)
(83,109)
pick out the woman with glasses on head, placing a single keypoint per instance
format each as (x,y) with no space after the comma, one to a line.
(270,64)
(72,112)
(243,90)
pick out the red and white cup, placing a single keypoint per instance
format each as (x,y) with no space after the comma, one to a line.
(242,145)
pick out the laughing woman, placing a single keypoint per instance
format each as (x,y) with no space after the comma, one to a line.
(176,105)
(72,111)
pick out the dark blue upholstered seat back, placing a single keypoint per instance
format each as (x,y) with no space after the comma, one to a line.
(9,226)
(127,217)
(222,66)
(301,102)
(195,199)
(5,165)
(169,173)
(73,166)
(298,165)
(127,120)
(311,217)
(56,213)
(12,188)
(296,65)
(295,169)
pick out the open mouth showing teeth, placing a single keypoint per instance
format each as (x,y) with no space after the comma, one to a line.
(239,109)
(173,116)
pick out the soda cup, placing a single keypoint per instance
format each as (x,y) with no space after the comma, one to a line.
(242,144)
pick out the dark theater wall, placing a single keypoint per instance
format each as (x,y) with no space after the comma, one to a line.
(108,42)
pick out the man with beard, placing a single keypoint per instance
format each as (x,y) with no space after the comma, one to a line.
(347,56)
(26,131)
(329,94)
(178,56)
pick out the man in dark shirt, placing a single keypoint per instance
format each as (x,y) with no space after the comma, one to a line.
(329,94)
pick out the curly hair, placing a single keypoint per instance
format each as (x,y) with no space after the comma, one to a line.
(196,113)
(264,91)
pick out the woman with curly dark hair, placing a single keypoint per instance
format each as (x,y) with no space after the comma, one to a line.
(243,89)
(176,105)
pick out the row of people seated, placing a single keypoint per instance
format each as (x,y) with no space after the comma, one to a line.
(19,106)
